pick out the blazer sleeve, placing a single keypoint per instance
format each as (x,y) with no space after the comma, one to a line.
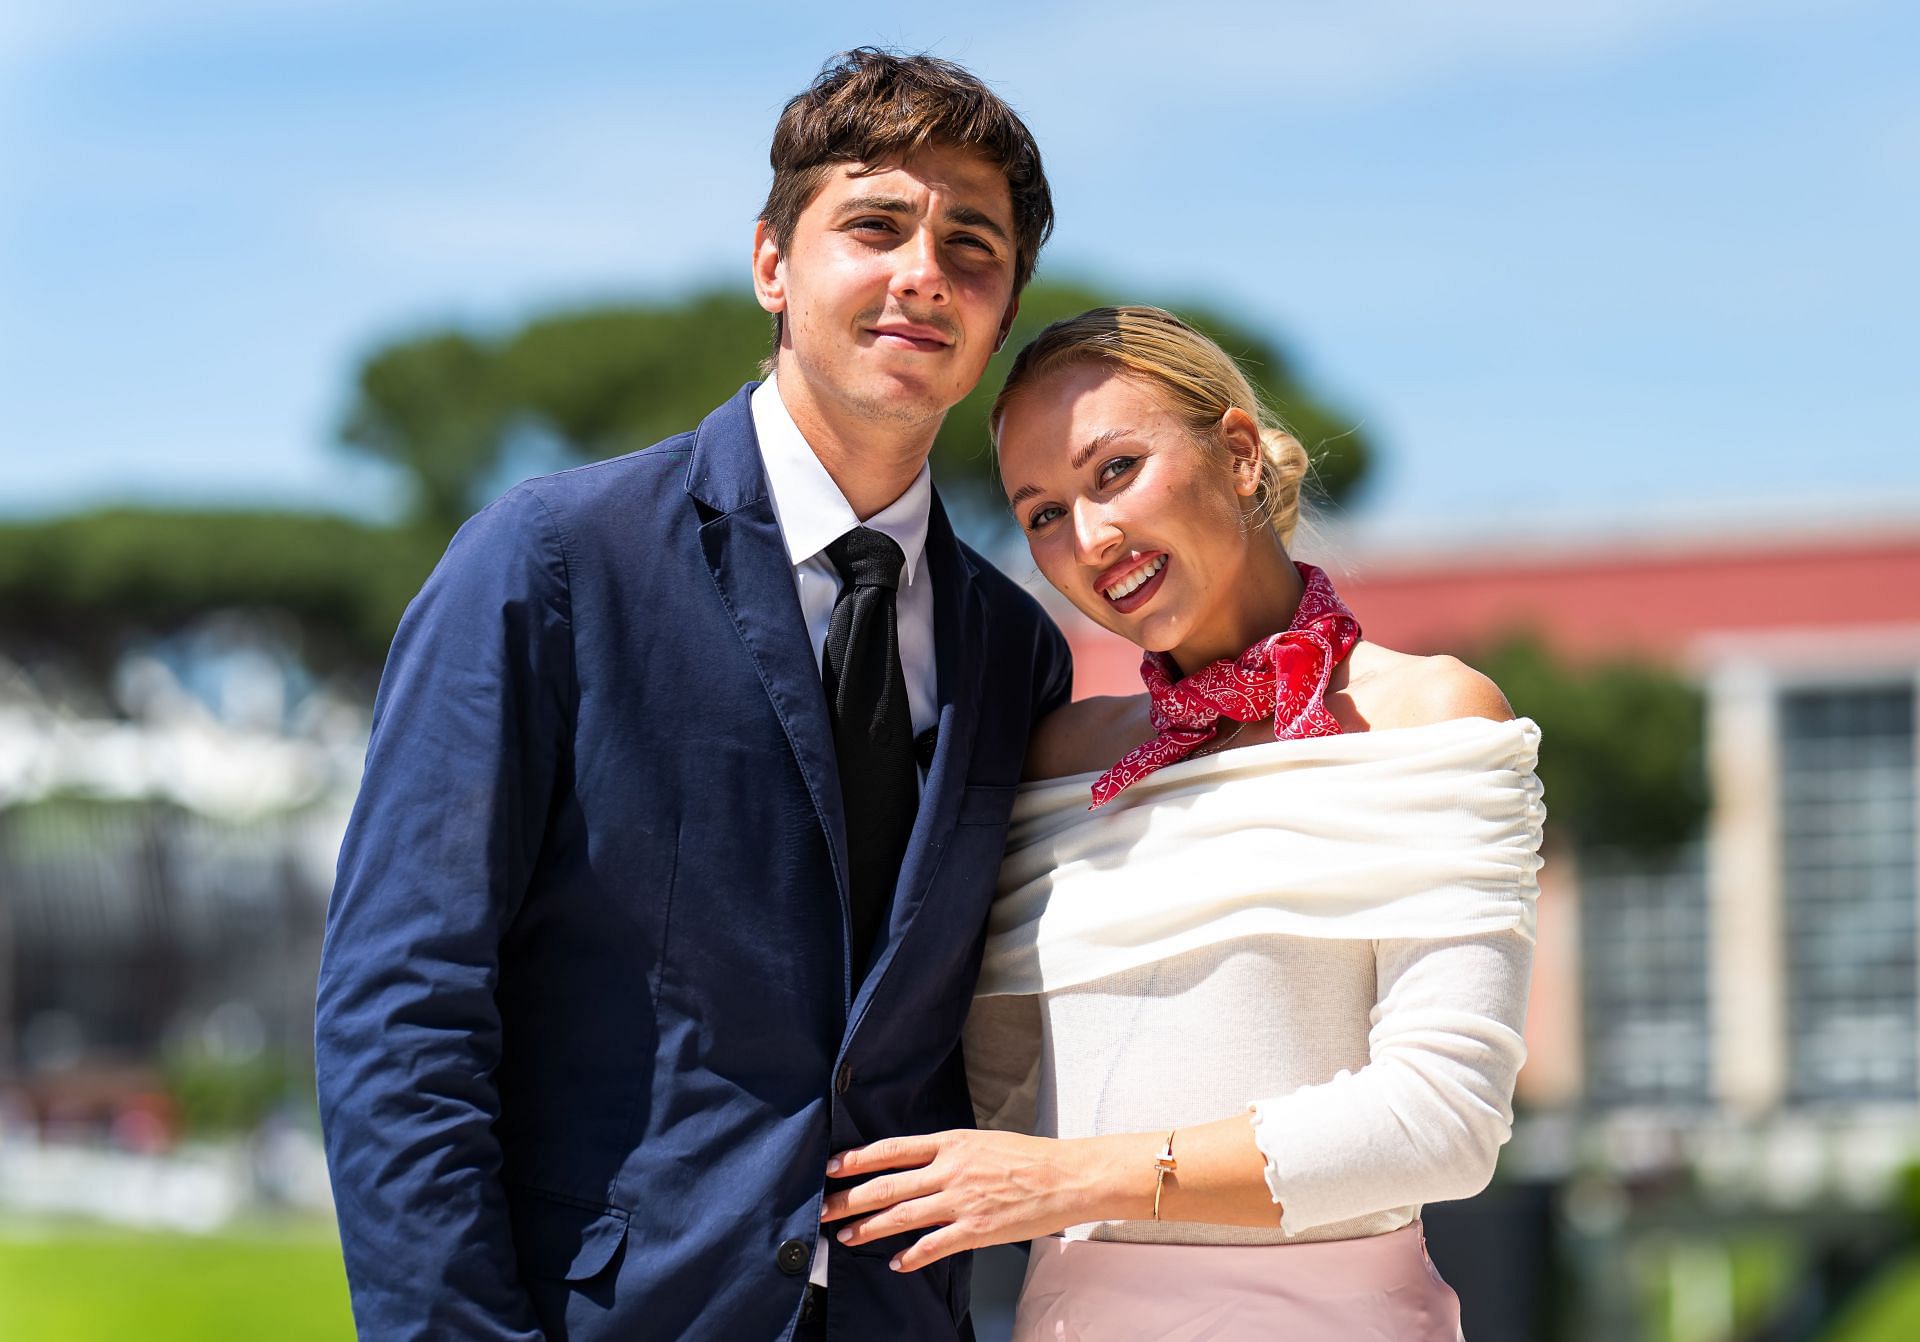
(469,728)
(1053,670)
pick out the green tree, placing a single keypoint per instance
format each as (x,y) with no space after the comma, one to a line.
(455,411)
(1623,750)
(605,381)
(436,407)
(449,407)
(83,586)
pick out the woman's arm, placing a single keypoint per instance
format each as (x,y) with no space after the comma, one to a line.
(985,1188)
(1422,1121)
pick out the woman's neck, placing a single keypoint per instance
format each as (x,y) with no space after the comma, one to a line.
(1262,601)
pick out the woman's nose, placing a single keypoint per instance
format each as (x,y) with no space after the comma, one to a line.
(1095,531)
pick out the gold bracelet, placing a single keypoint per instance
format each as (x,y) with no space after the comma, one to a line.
(1163,1165)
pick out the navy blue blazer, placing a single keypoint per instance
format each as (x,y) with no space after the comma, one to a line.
(586,1032)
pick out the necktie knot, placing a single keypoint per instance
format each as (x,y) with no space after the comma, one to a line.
(868,558)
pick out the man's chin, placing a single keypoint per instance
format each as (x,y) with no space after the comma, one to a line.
(907,395)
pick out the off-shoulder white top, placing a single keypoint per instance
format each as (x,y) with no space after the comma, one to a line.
(1336,933)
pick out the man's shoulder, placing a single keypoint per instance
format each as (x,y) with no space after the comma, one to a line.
(650,468)
(1005,598)
(613,495)
(1017,624)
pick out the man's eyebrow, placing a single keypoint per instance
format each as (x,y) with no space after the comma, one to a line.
(1077,462)
(965,215)
(980,219)
(884,204)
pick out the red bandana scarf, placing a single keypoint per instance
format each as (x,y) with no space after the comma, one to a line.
(1283,677)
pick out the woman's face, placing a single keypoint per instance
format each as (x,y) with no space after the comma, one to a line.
(1136,523)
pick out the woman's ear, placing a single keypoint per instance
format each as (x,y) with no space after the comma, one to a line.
(1246,455)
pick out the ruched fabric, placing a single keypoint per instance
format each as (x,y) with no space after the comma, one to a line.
(1429,831)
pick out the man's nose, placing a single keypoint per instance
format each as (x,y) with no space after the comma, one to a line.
(917,271)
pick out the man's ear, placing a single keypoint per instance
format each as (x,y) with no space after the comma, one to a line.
(769,276)
(1006,325)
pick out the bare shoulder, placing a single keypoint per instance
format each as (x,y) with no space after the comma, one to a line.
(1452,689)
(1086,734)
(1389,689)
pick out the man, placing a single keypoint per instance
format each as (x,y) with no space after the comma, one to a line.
(689,778)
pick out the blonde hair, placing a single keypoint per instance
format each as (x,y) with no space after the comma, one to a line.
(1198,381)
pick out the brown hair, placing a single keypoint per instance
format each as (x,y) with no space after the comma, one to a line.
(1193,376)
(877,107)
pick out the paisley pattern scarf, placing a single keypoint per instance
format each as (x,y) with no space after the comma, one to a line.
(1283,676)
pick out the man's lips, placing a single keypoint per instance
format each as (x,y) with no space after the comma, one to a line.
(903,336)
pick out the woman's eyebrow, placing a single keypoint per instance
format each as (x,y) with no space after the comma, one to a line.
(1096,443)
(1078,461)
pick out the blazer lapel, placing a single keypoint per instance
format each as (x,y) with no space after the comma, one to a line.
(747,557)
(958,625)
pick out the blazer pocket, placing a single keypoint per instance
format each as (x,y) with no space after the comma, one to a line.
(561,1238)
(986,803)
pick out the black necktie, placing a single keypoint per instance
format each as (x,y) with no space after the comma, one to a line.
(872,726)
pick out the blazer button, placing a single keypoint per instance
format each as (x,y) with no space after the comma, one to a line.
(843,1079)
(794,1256)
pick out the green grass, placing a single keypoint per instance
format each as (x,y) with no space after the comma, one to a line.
(87,1285)
(1887,1311)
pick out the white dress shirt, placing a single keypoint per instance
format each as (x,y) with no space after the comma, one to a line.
(813,514)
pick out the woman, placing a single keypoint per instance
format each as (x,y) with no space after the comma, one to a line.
(1263,997)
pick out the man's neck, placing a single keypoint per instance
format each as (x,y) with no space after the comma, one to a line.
(872,463)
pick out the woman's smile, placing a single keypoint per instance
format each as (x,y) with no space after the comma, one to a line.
(1130,585)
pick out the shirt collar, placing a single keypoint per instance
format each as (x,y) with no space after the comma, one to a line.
(812,511)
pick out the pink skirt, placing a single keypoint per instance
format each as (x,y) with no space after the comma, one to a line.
(1380,1289)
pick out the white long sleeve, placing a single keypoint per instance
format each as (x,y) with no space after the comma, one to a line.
(1425,1118)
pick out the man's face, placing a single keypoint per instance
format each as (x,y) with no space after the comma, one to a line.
(896,287)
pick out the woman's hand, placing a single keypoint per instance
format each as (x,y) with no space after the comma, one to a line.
(983,1188)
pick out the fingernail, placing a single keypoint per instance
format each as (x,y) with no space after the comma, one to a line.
(843,1234)
(894,1263)
(833,1164)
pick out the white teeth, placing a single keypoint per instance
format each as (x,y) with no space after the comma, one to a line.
(1139,578)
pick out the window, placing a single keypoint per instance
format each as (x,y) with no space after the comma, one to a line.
(1847,845)
(1643,936)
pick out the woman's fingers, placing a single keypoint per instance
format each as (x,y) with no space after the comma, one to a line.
(890,1153)
(913,1215)
(878,1194)
(932,1248)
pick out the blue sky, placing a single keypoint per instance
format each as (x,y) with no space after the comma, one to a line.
(1587,258)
